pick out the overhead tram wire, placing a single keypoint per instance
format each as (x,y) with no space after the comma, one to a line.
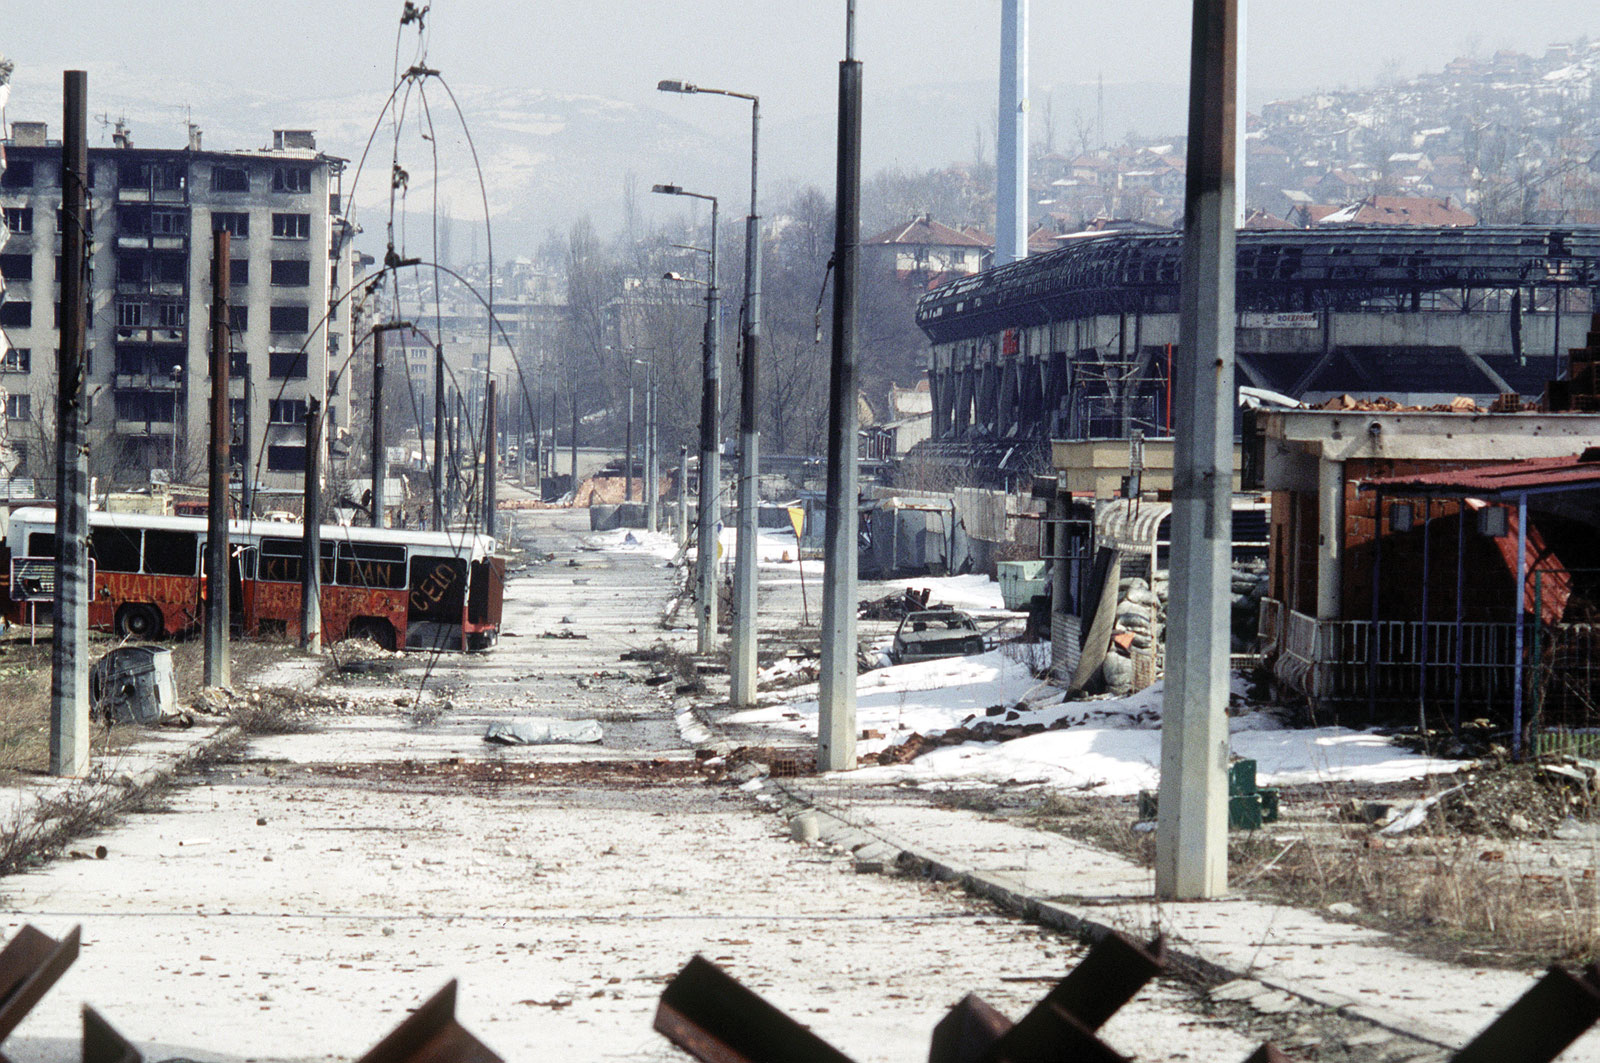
(415,76)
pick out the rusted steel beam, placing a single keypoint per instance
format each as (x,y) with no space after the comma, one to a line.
(709,1015)
(1050,1034)
(30,964)
(969,1030)
(1542,1023)
(102,1044)
(432,1035)
(1116,968)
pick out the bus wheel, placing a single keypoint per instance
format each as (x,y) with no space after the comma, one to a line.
(139,622)
(379,631)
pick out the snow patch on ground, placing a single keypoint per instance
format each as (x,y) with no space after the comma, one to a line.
(1108,745)
(963,592)
(926,697)
(634,541)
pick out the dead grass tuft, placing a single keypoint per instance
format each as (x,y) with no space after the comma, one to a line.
(1481,881)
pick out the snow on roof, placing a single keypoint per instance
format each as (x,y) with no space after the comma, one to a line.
(924,231)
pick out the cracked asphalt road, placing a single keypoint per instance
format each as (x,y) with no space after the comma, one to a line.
(294,906)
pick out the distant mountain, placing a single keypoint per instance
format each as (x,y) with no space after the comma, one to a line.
(550,157)
(547,157)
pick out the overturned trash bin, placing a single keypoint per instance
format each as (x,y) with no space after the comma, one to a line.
(133,684)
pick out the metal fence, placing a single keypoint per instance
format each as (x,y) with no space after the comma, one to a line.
(1440,664)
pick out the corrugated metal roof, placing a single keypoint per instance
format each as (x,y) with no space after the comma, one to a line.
(1511,478)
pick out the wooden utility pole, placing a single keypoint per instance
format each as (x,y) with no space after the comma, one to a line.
(218,673)
(69,667)
(311,554)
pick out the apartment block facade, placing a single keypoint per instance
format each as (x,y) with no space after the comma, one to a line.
(152,215)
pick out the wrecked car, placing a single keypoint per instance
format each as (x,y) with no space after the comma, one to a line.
(929,634)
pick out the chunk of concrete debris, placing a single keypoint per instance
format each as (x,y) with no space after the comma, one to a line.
(1273,1002)
(805,827)
(536,731)
(1417,813)
(1238,989)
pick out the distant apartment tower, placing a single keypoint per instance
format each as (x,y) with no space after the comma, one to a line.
(152,215)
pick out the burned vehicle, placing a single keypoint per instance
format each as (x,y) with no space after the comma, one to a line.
(929,634)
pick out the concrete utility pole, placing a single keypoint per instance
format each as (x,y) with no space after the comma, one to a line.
(836,724)
(742,671)
(1192,827)
(490,460)
(69,672)
(573,443)
(377,428)
(652,482)
(683,496)
(627,456)
(438,437)
(1011,158)
(218,672)
(311,554)
(247,485)
(710,457)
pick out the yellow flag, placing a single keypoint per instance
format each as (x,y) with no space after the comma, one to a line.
(797,517)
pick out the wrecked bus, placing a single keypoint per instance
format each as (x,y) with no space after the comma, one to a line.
(400,588)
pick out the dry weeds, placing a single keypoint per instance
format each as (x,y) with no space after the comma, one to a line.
(1482,881)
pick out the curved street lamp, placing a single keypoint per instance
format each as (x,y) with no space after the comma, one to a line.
(742,661)
(710,418)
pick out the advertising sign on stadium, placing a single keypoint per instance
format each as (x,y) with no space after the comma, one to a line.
(1288,320)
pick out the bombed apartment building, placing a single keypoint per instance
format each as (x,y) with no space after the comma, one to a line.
(152,213)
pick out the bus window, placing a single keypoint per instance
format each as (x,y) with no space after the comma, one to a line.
(371,565)
(279,560)
(41,544)
(438,588)
(170,553)
(115,549)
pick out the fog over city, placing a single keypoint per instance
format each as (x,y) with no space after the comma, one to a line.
(545,80)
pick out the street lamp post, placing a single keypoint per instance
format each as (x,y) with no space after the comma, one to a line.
(652,498)
(710,418)
(627,446)
(742,661)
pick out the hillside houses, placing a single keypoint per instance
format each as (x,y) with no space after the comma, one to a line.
(1505,138)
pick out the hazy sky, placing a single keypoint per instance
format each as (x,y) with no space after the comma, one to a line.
(785,50)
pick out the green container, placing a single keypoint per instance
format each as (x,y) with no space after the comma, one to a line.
(1020,581)
(1244,812)
(1269,804)
(1241,778)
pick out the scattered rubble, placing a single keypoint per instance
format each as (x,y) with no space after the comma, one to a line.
(894,606)
(541,730)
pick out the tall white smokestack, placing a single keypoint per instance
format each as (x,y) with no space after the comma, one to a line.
(1241,116)
(1011,160)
